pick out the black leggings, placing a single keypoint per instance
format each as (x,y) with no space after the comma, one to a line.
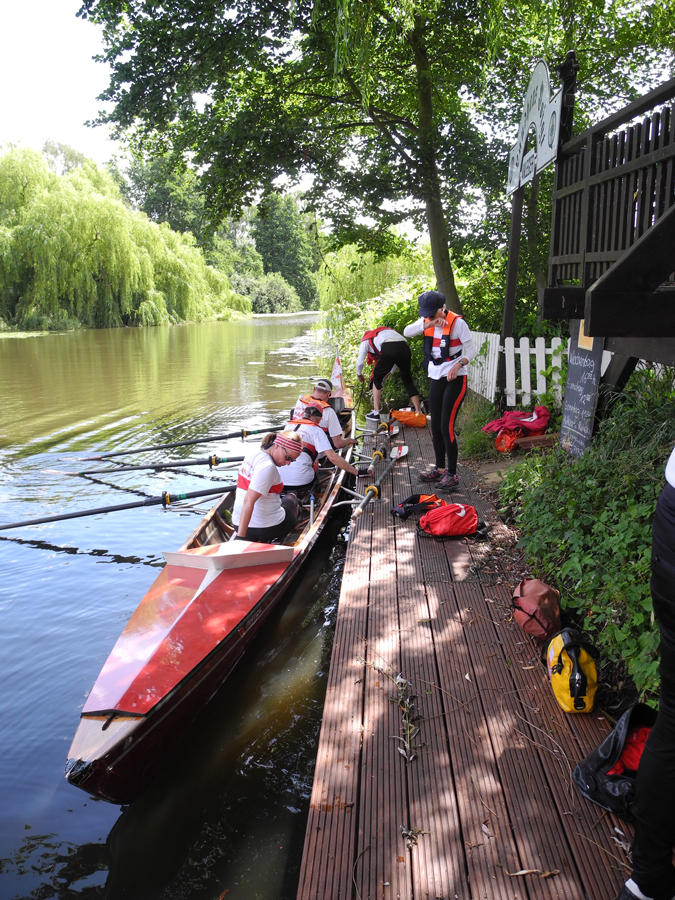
(655,793)
(395,353)
(445,400)
(289,502)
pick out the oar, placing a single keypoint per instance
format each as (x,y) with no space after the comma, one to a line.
(211,461)
(378,455)
(241,432)
(165,500)
(374,489)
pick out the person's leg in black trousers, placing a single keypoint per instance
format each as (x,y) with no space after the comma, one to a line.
(653,875)
(437,391)
(452,402)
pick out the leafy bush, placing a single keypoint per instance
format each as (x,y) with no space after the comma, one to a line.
(586,523)
(268,294)
(474,444)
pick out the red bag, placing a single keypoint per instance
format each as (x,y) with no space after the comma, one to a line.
(536,608)
(453,520)
(505,440)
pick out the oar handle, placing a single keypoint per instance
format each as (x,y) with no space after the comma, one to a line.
(165,500)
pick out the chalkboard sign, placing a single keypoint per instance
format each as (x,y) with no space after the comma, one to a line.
(581,390)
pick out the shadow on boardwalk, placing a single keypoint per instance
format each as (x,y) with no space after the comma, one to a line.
(489,791)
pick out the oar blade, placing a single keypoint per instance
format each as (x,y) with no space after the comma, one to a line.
(398,452)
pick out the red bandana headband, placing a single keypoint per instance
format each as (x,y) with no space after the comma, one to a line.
(288,444)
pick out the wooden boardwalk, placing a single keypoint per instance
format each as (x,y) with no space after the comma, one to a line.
(489,790)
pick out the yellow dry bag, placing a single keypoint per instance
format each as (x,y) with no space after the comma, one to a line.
(570,661)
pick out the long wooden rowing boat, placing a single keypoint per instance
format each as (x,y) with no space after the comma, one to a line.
(181,643)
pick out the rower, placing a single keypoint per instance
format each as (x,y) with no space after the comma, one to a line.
(260,512)
(330,423)
(300,475)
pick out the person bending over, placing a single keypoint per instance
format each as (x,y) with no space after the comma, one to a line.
(388,350)
(260,512)
(330,423)
(301,473)
(448,349)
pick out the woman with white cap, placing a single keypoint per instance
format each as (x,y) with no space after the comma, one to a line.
(260,512)
(448,349)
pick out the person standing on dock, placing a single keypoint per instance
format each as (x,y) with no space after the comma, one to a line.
(329,419)
(653,875)
(260,512)
(389,350)
(300,475)
(448,349)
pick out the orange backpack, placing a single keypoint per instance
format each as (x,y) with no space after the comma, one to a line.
(409,417)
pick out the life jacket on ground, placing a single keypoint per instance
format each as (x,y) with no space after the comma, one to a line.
(451,348)
(307,448)
(417,503)
(373,352)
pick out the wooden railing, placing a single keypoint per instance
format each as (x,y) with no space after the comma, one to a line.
(613,183)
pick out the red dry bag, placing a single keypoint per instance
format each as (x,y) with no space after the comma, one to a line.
(453,520)
(536,608)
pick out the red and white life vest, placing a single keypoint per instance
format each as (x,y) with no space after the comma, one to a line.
(373,352)
(308,448)
(451,348)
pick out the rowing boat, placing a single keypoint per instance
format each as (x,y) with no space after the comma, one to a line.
(185,637)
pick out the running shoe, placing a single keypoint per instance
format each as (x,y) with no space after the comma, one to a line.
(630,891)
(448,482)
(373,416)
(434,474)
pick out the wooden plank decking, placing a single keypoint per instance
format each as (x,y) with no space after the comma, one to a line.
(489,790)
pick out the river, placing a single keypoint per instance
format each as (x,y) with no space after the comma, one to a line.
(225,816)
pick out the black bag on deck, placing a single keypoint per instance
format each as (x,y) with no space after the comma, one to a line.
(613,792)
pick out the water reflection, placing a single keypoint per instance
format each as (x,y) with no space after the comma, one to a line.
(226,813)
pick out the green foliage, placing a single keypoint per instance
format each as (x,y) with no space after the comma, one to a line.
(285,246)
(586,523)
(269,293)
(348,279)
(474,443)
(166,190)
(71,251)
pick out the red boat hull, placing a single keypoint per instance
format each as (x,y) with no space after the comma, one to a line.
(178,648)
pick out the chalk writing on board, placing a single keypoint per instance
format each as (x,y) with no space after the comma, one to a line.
(581,393)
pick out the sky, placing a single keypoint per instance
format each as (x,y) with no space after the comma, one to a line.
(50,81)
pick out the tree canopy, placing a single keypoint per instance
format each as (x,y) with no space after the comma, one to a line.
(285,246)
(72,252)
(398,110)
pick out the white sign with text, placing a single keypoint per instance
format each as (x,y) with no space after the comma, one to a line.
(542,111)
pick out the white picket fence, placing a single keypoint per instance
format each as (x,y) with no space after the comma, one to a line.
(482,377)
(525,367)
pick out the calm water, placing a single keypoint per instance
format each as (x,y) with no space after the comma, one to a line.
(226,814)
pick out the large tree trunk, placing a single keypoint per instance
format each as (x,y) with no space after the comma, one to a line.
(431,185)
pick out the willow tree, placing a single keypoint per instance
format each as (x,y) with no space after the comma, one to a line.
(71,250)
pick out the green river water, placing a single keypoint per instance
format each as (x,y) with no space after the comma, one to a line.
(225,816)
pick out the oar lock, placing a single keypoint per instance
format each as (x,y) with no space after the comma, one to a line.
(213,461)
